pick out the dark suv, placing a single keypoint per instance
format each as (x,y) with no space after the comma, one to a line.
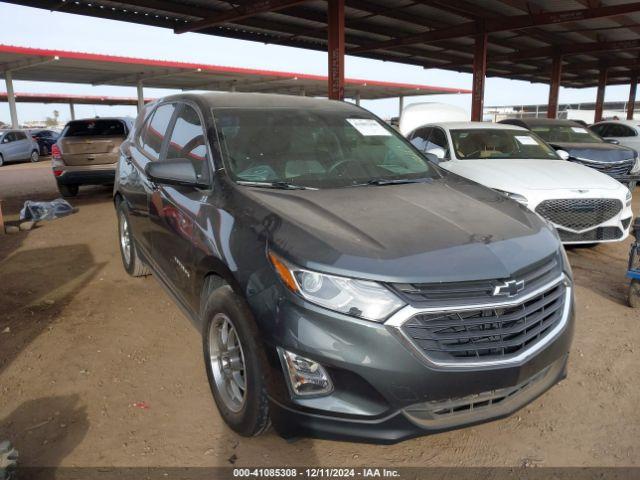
(345,287)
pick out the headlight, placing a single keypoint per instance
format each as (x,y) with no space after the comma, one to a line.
(514,196)
(358,298)
(636,166)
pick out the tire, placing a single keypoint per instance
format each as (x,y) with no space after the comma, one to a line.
(634,293)
(248,416)
(632,186)
(1,160)
(131,261)
(35,156)
(68,190)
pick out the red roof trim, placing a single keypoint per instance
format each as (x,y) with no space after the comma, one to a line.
(212,68)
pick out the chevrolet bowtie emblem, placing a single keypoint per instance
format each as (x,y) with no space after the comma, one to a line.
(509,288)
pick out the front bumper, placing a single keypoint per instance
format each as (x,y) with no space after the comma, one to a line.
(383,391)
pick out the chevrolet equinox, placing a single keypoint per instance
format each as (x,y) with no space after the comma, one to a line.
(345,287)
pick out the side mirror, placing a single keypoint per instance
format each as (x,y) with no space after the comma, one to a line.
(438,152)
(177,171)
(563,154)
(612,141)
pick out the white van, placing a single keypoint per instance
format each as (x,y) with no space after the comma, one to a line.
(418,114)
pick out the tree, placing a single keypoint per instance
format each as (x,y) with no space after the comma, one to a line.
(52,122)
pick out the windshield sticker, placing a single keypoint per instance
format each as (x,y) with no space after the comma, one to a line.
(526,140)
(368,128)
(579,129)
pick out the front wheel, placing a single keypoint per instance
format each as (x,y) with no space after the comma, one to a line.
(634,293)
(35,157)
(234,360)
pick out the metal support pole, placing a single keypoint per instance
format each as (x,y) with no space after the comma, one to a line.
(400,105)
(72,111)
(11,98)
(631,104)
(303,92)
(479,73)
(336,49)
(554,87)
(357,98)
(602,84)
(140,90)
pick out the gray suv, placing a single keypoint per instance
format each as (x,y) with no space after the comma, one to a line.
(345,287)
(17,145)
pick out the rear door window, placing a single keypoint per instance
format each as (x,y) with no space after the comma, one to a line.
(188,141)
(95,128)
(155,130)
(20,136)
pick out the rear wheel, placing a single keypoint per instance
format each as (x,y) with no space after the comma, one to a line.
(35,156)
(634,293)
(1,160)
(68,190)
(131,261)
(234,358)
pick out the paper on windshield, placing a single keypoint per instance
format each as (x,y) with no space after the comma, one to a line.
(367,127)
(526,140)
(579,129)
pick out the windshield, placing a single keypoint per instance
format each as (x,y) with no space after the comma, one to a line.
(566,133)
(488,143)
(317,148)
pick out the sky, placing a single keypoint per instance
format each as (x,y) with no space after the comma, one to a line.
(37,28)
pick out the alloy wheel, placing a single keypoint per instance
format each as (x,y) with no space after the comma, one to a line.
(227,362)
(125,239)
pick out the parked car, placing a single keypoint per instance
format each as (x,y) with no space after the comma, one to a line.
(585,205)
(623,132)
(45,139)
(585,147)
(345,287)
(86,153)
(16,145)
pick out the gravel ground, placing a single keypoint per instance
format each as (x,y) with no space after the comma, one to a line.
(99,369)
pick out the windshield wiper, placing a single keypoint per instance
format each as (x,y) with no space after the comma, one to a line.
(397,181)
(280,185)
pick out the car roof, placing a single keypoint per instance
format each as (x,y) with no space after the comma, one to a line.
(532,122)
(260,100)
(632,123)
(477,126)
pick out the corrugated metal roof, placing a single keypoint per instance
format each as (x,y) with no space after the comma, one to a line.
(517,53)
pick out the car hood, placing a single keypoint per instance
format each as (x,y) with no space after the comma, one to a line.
(447,230)
(521,175)
(601,152)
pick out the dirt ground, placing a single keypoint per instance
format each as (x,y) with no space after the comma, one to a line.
(100,369)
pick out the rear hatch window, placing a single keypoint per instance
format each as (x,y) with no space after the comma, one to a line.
(95,128)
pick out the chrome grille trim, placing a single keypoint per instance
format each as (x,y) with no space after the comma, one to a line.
(396,321)
(579,215)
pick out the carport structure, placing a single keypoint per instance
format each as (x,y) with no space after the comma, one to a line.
(21,63)
(573,43)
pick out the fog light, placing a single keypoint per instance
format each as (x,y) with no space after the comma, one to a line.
(306,377)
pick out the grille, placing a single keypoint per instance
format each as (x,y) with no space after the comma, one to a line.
(595,235)
(459,293)
(613,168)
(486,333)
(473,403)
(579,213)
